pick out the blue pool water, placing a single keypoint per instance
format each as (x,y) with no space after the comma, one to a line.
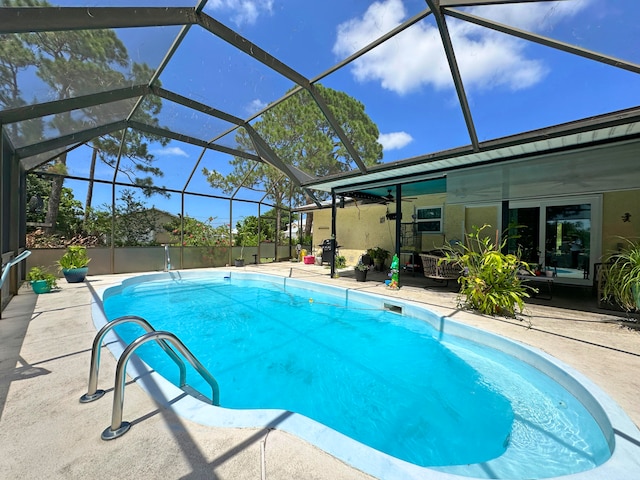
(389,381)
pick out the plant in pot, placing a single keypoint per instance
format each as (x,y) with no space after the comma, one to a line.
(239,261)
(42,281)
(74,264)
(361,270)
(622,284)
(379,256)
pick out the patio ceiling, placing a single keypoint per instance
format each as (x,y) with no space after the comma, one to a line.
(207,63)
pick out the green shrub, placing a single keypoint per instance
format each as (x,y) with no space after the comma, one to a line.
(490,282)
(74,257)
(341,261)
(41,273)
(622,283)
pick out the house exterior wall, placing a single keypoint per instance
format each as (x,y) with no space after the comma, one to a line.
(359,227)
(607,177)
(615,207)
(478,216)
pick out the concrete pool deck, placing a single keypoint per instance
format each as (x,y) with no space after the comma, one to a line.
(45,344)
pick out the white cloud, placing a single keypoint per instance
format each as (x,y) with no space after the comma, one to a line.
(532,17)
(170,151)
(242,11)
(255,106)
(394,140)
(415,58)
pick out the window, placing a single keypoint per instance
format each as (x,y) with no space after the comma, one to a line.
(429,219)
(560,233)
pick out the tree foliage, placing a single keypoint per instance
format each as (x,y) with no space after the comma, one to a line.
(247,231)
(135,224)
(69,220)
(73,63)
(301,136)
(15,57)
(195,233)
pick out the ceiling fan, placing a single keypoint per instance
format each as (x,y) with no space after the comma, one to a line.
(390,198)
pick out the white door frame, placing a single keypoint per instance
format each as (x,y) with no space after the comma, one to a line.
(595,251)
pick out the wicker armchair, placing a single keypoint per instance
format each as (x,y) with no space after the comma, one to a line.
(435,268)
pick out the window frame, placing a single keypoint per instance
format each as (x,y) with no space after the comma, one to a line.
(424,221)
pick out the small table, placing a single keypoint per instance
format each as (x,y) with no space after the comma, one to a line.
(541,279)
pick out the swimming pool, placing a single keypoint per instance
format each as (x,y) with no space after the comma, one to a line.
(506,434)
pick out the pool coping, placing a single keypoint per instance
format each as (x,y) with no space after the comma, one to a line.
(606,412)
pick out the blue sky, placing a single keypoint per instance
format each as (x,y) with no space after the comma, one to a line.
(405,84)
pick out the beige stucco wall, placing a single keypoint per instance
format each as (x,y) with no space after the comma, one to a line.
(479,216)
(476,217)
(359,227)
(614,206)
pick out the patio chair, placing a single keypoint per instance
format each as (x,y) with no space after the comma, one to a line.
(435,268)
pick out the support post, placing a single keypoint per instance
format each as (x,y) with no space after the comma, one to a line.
(334,243)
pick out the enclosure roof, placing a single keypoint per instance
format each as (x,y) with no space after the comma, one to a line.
(605,129)
(448,83)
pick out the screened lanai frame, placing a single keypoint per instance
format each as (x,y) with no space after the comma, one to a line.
(610,126)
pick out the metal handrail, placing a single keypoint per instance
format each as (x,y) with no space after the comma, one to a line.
(92,391)
(118,427)
(6,267)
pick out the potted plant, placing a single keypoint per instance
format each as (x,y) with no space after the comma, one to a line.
(74,264)
(41,280)
(239,262)
(622,281)
(361,270)
(379,256)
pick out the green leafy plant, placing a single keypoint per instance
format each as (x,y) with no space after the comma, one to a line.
(241,257)
(194,233)
(622,284)
(41,273)
(490,283)
(378,253)
(379,256)
(361,266)
(341,261)
(75,257)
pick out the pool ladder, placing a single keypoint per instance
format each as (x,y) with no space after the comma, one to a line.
(118,427)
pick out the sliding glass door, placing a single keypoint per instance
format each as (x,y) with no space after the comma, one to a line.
(562,234)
